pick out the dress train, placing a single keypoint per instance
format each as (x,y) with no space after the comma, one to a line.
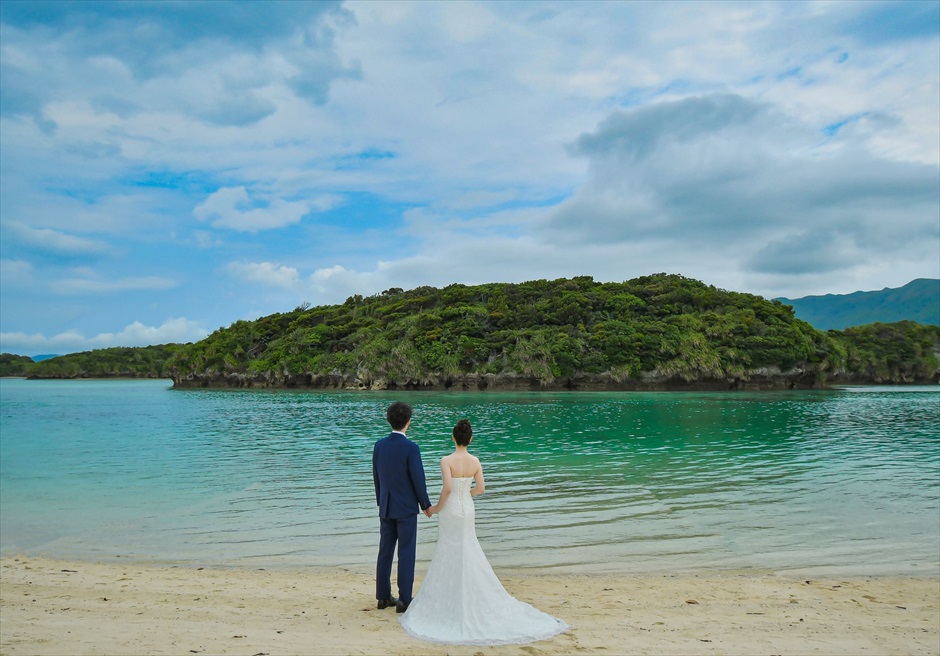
(461,600)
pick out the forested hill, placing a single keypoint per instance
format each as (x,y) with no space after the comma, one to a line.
(654,332)
(115,362)
(14,365)
(918,300)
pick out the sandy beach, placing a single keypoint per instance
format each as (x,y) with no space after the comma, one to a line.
(59,607)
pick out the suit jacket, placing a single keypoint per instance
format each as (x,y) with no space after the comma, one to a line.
(400,486)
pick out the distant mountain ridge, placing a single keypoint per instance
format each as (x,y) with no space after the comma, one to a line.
(918,300)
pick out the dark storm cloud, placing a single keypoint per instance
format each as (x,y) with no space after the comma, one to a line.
(818,252)
(733,175)
(637,133)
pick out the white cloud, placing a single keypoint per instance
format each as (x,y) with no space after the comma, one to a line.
(78,281)
(132,55)
(234,208)
(336,283)
(328,273)
(90,284)
(267,274)
(326,285)
(16,273)
(206,239)
(178,330)
(56,243)
(137,334)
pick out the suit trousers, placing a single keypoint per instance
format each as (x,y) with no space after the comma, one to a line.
(403,532)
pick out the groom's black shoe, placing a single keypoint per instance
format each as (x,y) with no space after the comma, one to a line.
(385,603)
(402,606)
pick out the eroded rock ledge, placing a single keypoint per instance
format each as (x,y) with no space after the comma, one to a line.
(770,378)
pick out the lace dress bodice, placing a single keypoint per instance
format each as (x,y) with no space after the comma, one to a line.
(460,502)
(461,600)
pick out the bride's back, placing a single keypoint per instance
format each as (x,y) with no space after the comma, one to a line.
(461,464)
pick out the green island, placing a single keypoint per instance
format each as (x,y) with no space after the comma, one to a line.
(115,362)
(655,332)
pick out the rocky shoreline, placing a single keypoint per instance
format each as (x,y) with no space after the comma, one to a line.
(765,378)
(770,378)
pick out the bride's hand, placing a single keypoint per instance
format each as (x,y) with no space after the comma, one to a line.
(431,510)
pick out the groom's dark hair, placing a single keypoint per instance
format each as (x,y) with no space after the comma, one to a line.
(398,415)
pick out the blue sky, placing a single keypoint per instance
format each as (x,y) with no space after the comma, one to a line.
(168,168)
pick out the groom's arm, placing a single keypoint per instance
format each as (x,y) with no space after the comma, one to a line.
(375,475)
(416,472)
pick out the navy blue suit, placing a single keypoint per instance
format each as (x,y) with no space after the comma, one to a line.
(400,488)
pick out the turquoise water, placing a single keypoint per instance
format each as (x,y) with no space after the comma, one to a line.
(826,482)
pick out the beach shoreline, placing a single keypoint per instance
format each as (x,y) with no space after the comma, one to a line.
(50,606)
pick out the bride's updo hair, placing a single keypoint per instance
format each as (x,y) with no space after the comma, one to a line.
(463,432)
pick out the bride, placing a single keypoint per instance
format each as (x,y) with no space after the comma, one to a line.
(461,601)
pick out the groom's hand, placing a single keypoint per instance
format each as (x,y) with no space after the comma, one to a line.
(427,511)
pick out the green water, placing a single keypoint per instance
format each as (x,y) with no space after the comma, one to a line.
(841,481)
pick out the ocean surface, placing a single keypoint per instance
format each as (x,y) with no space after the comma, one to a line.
(843,481)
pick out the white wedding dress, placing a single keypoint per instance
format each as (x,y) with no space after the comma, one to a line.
(461,601)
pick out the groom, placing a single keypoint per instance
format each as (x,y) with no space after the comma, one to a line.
(399,489)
